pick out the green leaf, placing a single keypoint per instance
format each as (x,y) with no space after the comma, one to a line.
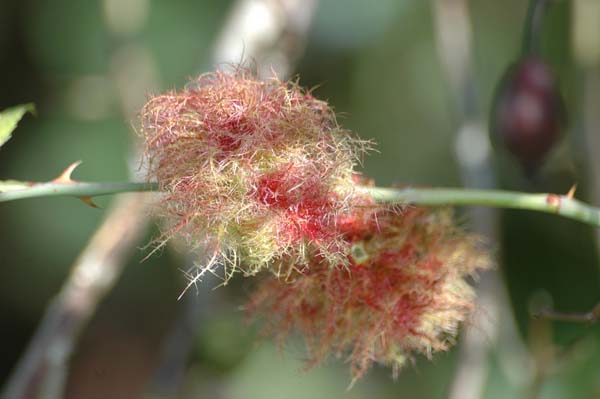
(10,117)
(12,185)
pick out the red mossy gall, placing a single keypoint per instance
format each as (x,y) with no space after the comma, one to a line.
(253,170)
(403,291)
(259,175)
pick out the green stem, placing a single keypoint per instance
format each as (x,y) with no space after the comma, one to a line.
(561,205)
(74,189)
(533,27)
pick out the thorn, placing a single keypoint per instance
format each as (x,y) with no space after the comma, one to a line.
(571,193)
(89,201)
(65,176)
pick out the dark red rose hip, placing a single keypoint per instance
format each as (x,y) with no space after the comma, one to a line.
(528,113)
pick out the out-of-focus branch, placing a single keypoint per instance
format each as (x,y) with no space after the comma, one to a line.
(43,367)
(533,26)
(588,317)
(271,33)
(493,321)
(586,49)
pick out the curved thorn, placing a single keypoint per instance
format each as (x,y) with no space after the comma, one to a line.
(89,201)
(571,193)
(65,176)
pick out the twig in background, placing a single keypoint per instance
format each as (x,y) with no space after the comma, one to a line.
(533,26)
(588,317)
(586,48)
(271,33)
(43,368)
(472,149)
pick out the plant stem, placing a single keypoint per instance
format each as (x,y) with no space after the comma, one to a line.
(589,317)
(562,205)
(533,27)
(74,189)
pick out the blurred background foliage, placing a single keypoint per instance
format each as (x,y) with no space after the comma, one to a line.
(82,63)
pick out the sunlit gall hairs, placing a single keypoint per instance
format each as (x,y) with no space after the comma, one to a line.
(257,171)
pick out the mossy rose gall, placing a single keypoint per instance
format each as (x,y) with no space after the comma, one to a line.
(260,176)
(403,292)
(253,170)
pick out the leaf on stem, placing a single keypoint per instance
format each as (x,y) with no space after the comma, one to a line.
(10,117)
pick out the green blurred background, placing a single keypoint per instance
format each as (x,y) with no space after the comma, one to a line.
(377,63)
